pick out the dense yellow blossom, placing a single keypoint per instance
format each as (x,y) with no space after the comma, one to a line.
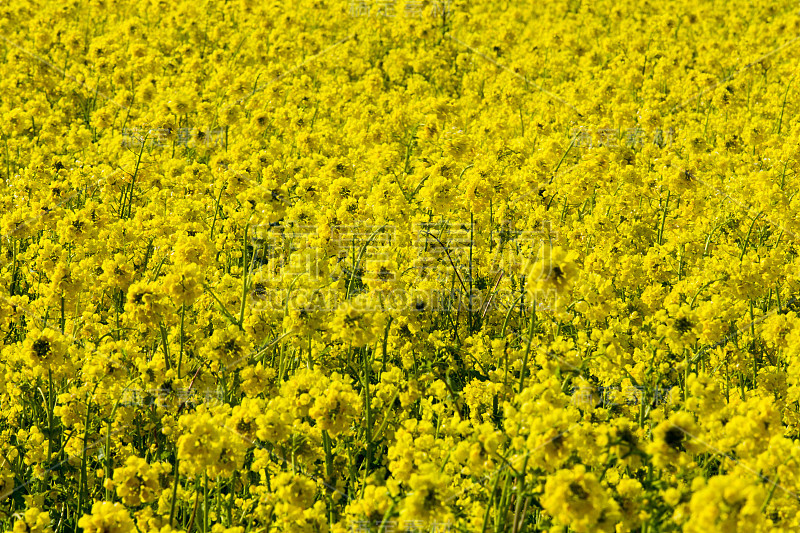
(375,265)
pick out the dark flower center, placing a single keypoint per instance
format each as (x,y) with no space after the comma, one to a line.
(683,324)
(42,348)
(674,438)
(578,490)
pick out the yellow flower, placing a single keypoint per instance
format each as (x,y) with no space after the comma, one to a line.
(576,499)
(336,407)
(209,443)
(726,503)
(184,284)
(116,272)
(355,323)
(145,303)
(107,517)
(675,440)
(257,379)
(554,273)
(34,520)
(45,351)
(138,482)
(228,347)
(428,497)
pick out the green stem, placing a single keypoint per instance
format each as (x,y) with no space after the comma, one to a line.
(491,497)
(216,212)
(527,350)
(244,279)
(205,503)
(165,343)
(358,261)
(747,239)
(176,475)
(82,481)
(368,417)
(663,221)
(49,404)
(133,179)
(180,353)
(471,228)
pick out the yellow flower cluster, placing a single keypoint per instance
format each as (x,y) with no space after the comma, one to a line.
(139,482)
(332,266)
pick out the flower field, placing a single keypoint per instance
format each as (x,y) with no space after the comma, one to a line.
(399,266)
